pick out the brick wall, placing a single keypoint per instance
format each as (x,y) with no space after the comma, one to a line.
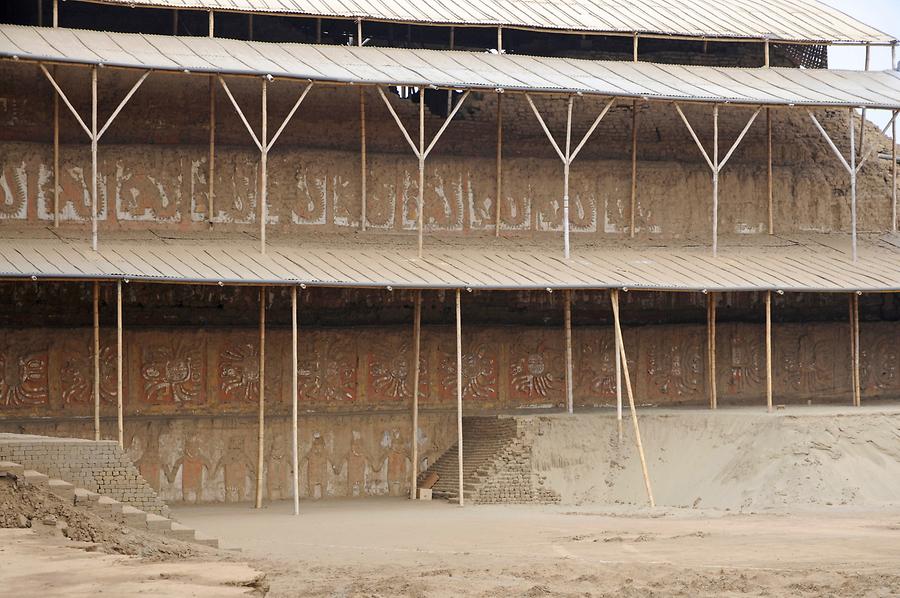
(101,467)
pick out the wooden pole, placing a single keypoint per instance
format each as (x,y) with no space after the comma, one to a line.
(56,157)
(894,142)
(711,348)
(414,439)
(295,452)
(362,160)
(421,203)
(769,351)
(770,178)
(852,183)
(94,198)
(96,360)
(260,461)
(618,362)
(250,27)
(174,21)
(212,24)
(852,352)
(459,394)
(634,50)
(566,165)
(499,40)
(767,60)
(318,31)
(862,121)
(119,386)
(634,420)
(56,13)
(567,316)
(634,140)
(857,391)
(263,161)
(499,162)
(212,144)
(715,207)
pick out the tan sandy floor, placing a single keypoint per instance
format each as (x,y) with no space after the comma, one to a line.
(388,547)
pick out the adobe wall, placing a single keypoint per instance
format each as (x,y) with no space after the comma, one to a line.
(153,165)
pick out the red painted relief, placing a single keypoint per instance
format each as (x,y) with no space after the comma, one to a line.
(24,381)
(173,371)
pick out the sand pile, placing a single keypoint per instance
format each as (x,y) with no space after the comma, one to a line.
(730,459)
(25,506)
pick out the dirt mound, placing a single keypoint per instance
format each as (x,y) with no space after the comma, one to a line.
(26,506)
(730,459)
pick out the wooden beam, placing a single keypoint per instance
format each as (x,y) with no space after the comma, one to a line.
(852,184)
(770,174)
(295,364)
(459,395)
(634,140)
(96,306)
(857,384)
(363,173)
(414,439)
(769,351)
(56,158)
(634,420)
(567,318)
(499,162)
(617,348)
(894,142)
(566,166)
(212,147)
(263,167)
(716,171)
(261,432)
(119,386)
(711,348)
(94,198)
(420,209)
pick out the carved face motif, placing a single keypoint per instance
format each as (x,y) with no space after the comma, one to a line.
(24,379)
(171,373)
(239,371)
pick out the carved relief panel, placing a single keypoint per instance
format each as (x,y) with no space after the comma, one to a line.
(480,368)
(674,359)
(536,367)
(24,377)
(76,373)
(390,368)
(327,367)
(171,369)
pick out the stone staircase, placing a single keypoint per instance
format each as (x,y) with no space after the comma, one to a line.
(106,507)
(496,465)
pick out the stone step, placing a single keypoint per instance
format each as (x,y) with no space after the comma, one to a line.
(181,532)
(134,517)
(109,505)
(10,469)
(85,498)
(158,523)
(36,479)
(205,540)
(62,489)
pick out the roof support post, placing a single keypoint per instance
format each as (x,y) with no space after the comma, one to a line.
(768,301)
(862,121)
(766,50)
(420,151)
(569,156)
(119,387)
(362,159)
(211,29)
(618,362)
(715,164)
(634,421)
(854,349)
(261,435)
(499,162)
(55,158)
(96,359)
(295,453)
(634,50)
(711,348)
(634,140)
(459,395)
(500,39)
(894,142)
(93,134)
(56,13)
(567,317)
(849,167)
(770,181)
(414,438)
(210,207)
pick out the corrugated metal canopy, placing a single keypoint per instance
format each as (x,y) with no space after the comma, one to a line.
(820,263)
(787,20)
(453,69)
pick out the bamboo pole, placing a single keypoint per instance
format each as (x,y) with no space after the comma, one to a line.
(894,142)
(767,62)
(862,121)
(119,386)
(634,140)
(264,166)
(459,395)
(499,161)
(295,452)
(634,420)
(212,145)
(362,160)
(96,360)
(857,391)
(94,198)
(417,345)
(770,179)
(55,157)
(716,170)
(853,183)
(711,348)
(421,202)
(769,351)
(634,50)
(212,25)
(852,352)
(618,362)
(567,317)
(566,166)
(56,13)
(260,461)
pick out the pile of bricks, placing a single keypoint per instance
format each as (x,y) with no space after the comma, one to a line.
(496,465)
(101,467)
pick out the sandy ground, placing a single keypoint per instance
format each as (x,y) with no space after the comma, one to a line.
(394,547)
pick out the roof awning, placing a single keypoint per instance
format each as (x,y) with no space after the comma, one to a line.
(777,20)
(819,264)
(454,69)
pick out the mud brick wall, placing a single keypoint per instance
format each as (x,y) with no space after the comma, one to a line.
(154,165)
(101,467)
